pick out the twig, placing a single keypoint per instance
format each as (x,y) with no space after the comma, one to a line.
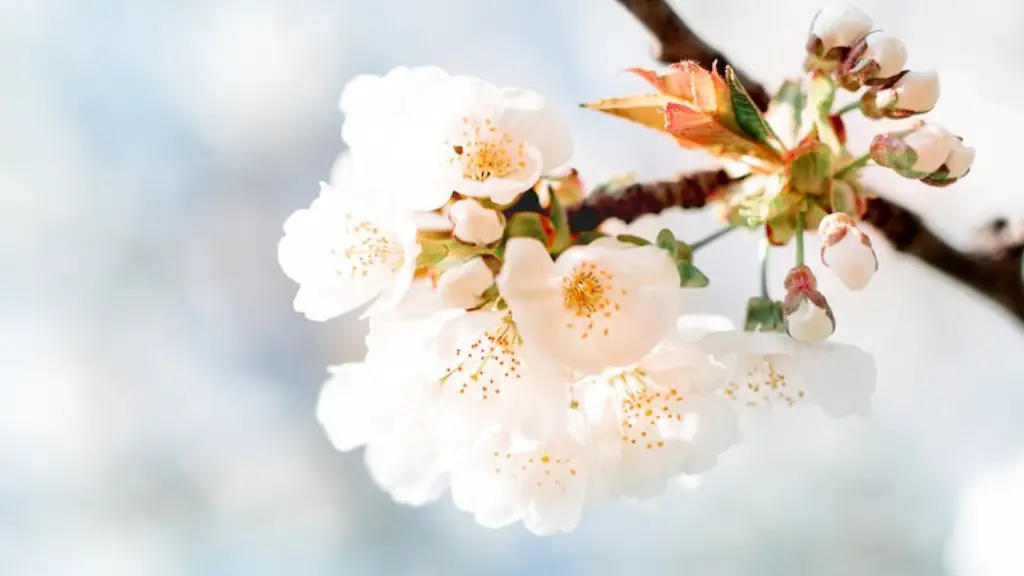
(997,275)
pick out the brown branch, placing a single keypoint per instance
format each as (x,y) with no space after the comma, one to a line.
(676,41)
(996,275)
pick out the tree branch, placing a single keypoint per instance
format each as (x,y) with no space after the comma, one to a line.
(996,275)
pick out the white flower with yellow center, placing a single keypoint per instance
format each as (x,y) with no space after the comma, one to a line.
(657,419)
(491,379)
(496,142)
(345,250)
(770,369)
(599,306)
(545,485)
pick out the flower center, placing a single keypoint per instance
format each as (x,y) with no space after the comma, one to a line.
(643,407)
(485,364)
(486,152)
(762,383)
(586,293)
(365,247)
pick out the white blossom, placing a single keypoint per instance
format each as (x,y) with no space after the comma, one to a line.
(490,379)
(598,306)
(657,419)
(496,142)
(474,224)
(839,27)
(463,285)
(847,251)
(345,250)
(769,369)
(502,481)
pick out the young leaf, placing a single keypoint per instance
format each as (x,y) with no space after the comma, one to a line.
(644,109)
(809,171)
(666,241)
(821,95)
(432,252)
(530,225)
(748,117)
(690,276)
(764,315)
(560,222)
(629,238)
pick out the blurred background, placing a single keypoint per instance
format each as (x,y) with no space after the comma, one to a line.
(157,391)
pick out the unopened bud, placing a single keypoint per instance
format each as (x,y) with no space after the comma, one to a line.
(464,285)
(475,224)
(847,251)
(835,30)
(914,153)
(808,315)
(956,166)
(913,93)
(876,61)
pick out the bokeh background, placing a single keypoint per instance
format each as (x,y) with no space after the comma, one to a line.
(157,391)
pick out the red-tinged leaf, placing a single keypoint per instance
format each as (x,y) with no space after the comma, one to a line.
(644,109)
(694,129)
(691,83)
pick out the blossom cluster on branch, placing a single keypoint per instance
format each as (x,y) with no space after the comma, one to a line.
(531,368)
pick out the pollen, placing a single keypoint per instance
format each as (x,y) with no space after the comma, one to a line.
(484,151)
(365,248)
(762,384)
(586,293)
(490,362)
(642,406)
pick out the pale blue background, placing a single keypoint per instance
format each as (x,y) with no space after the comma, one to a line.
(157,391)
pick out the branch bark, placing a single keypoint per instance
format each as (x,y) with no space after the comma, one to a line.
(996,275)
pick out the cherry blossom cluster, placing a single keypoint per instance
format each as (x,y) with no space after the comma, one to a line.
(532,370)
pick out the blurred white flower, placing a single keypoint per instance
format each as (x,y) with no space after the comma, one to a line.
(599,306)
(492,380)
(474,224)
(656,420)
(345,250)
(463,285)
(847,251)
(503,481)
(496,141)
(768,369)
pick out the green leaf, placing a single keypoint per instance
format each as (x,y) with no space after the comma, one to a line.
(690,276)
(530,225)
(843,197)
(791,94)
(748,116)
(666,241)
(560,222)
(432,252)
(683,251)
(629,238)
(584,238)
(764,315)
(809,172)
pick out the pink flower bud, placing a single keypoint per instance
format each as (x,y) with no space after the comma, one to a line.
(847,251)
(475,224)
(808,315)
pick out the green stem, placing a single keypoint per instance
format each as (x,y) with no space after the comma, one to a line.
(800,238)
(765,248)
(855,105)
(856,163)
(711,238)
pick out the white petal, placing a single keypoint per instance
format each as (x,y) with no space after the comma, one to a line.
(462,286)
(889,52)
(960,159)
(406,463)
(475,224)
(838,377)
(346,406)
(840,26)
(932,143)
(852,260)
(715,431)
(810,323)
(692,327)
(917,91)
(526,270)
